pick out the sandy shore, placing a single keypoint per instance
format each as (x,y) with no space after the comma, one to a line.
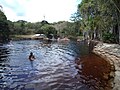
(111,53)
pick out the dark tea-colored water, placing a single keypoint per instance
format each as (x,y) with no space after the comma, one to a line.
(53,69)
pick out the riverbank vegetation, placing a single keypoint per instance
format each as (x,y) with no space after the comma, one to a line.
(23,29)
(100,19)
(94,19)
(4,28)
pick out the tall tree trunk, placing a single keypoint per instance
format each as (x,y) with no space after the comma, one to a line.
(119,33)
(118,25)
(101,35)
(94,37)
(116,33)
(96,34)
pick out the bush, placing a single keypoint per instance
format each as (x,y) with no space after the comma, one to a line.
(109,37)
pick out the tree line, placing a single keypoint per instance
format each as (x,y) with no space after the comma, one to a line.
(94,19)
(100,19)
(22,27)
(4,29)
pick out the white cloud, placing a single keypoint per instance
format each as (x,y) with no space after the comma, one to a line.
(34,10)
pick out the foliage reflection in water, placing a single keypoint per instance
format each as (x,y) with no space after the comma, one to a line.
(53,68)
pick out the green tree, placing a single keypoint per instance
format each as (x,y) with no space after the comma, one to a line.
(11,27)
(48,30)
(20,27)
(76,18)
(4,29)
(99,17)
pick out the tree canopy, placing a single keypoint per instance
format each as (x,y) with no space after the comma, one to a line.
(4,28)
(101,19)
(96,19)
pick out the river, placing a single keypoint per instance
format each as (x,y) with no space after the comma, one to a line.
(54,67)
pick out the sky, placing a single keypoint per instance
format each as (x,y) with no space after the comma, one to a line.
(38,10)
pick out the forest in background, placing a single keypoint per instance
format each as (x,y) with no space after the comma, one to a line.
(100,19)
(94,19)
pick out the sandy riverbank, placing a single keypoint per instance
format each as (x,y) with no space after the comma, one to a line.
(27,37)
(111,53)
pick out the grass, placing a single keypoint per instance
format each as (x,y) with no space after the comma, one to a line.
(17,37)
(76,37)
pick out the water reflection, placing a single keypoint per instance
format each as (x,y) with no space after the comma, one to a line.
(91,71)
(4,64)
(53,68)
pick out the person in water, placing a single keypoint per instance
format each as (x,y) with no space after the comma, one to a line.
(31,56)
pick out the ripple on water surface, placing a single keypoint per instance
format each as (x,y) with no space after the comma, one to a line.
(53,69)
